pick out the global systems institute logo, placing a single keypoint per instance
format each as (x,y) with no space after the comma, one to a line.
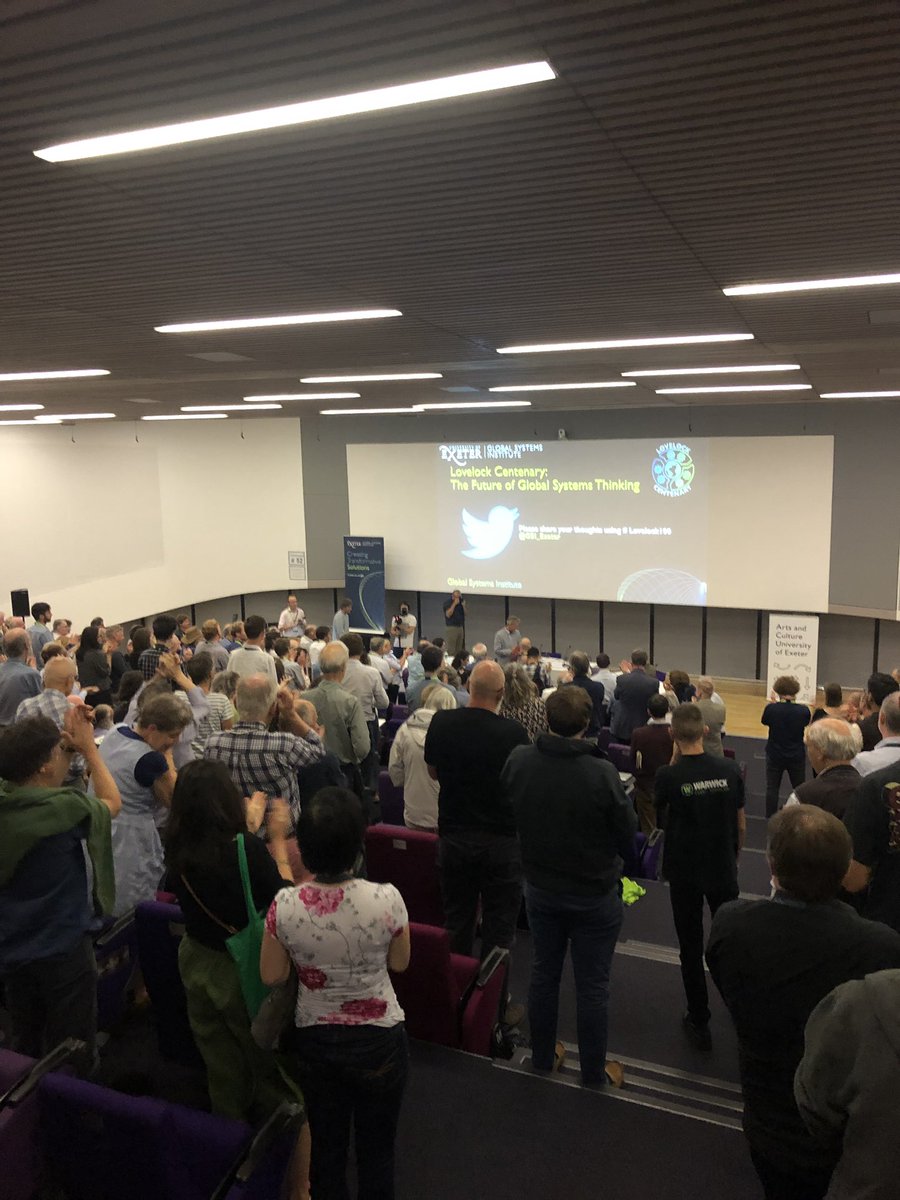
(673,469)
(489,538)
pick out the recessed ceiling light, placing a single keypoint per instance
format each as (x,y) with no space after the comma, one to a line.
(811,285)
(303,396)
(227,407)
(617,343)
(21,376)
(714,370)
(750,387)
(364,412)
(220,356)
(474,404)
(21,407)
(23,421)
(855,395)
(50,418)
(362,314)
(370,378)
(216,416)
(561,387)
(304,112)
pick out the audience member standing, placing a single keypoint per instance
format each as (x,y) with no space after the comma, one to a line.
(165,641)
(346,732)
(700,805)
(18,678)
(454,608)
(607,677)
(221,714)
(251,658)
(581,677)
(94,666)
(340,623)
(575,823)
(834,704)
(432,659)
(651,746)
(845,1083)
(522,702)
(47,962)
(873,820)
(212,645)
(407,767)
(341,935)
(364,682)
(878,687)
(831,745)
(59,681)
(466,750)
(506,642)
(403,628)
(887,750)
(785,750)
(41,631)
(634,687)
(713,716)
(773,961)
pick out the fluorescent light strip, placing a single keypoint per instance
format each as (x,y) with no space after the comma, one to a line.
(23,421)
(618,343)
(200,408)
(303,396)
(302,113)
(474,404)
(21,407)
(370,378)
(811,285)
(53,418)
(216,416)
(364,412)
(22,376)
(855,395)
(561,387)
(762,387)
(362,314)
(713,370)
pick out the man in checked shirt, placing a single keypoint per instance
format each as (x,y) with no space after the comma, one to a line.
(260,761)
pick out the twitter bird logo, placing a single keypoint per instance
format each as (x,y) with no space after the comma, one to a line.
(489,538)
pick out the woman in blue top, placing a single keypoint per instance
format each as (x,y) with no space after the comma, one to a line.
(785,750)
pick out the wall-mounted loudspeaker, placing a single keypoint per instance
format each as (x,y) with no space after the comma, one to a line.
(19,601)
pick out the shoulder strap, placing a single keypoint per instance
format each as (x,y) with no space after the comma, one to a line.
(230,929)
(245,878)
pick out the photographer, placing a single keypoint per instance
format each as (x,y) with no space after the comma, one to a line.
(403,629)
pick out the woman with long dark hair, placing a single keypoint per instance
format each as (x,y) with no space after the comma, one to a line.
(140,641)
(94,663)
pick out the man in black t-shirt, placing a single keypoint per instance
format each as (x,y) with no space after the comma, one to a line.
(700,804)
(879,686)
(774,961)
(465,750)
(873,820)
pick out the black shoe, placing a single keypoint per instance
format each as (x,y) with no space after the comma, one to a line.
(699,1035)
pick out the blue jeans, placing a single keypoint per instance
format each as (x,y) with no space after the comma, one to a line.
(590,925)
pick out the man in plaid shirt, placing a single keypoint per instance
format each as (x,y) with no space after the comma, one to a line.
(52,702)
(260,761)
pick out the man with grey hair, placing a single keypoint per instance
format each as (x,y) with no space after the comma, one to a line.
(479,652)
(713,711)
(346,731)
(257,759)
(830,746)
(506,642)
(59,681)
(18,678)
(887,751)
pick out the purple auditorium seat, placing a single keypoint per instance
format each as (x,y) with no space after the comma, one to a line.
(448,998)
(21,1153)
(390,798)
(407,858)
(399,712)
(647,855)
(604,737)
(104,1145)
(115,949)
(621,757)
(159,933)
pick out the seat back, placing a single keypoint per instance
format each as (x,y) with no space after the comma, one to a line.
(115,949)
(103,1145)
(407,858)
(399,712)
(428,990)
(390,797)
(159,933)
(621,756)
(19,1147)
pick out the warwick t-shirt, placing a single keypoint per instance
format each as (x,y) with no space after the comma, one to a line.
(697,803)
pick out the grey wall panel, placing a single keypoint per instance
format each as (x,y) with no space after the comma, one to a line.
(326,507)
(677,638)
(845,649)
(268,604)
(626,627)
(223,610)
(535,616)
(484,616)
(731,643)
(577,626)
(889,646)
(317,604)
(431,618)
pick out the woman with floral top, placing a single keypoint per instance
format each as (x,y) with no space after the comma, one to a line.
(522,703)
(341,935)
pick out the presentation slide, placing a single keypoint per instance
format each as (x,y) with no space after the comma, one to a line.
(696,521)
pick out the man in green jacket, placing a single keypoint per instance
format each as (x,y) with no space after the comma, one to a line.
(46,955)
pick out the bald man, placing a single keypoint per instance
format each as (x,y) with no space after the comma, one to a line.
(465,750)
(18,678)
(326,771)
(59,682)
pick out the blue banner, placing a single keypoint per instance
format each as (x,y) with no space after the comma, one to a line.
(364,582)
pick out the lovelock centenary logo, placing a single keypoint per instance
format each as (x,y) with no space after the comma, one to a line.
(673,469)
(489,538)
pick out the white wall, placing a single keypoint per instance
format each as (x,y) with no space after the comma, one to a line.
(119,519)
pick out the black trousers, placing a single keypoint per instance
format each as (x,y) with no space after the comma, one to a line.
(52,999)
(775,769)
(779,1184)
(477,865)
(687,910)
